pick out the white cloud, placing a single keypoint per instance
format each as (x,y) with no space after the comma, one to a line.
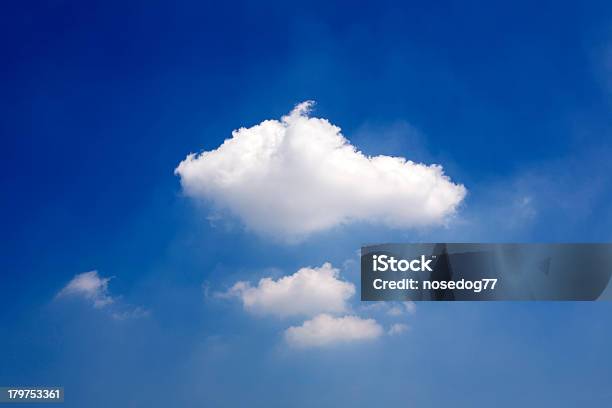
(397,328)
(94,288)
(395,311)
(402,308)
(299,175)
(90,286)
(325,330)
(307,292)
(410,307)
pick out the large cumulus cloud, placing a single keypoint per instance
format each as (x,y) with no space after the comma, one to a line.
(292,177)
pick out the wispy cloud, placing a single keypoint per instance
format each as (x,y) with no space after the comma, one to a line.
(325,330)
(401,309)
(131,313)
(397,328)
(94,288)
(91,286)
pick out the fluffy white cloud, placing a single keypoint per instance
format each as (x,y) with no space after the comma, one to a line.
(89,286)
(325,330)
(299,175)
(307,292)
(397,328)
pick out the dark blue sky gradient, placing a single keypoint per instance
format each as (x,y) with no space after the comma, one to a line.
(101,100)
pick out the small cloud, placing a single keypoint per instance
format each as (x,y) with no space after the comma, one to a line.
(206,290)
(135,313)
(325,330)
(376,306)
(90,286)
(394,309)
(307,292)
(397,328)
(410,307)
(94,288)
(523,209)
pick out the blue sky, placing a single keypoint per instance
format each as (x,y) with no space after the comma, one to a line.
(101,102)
